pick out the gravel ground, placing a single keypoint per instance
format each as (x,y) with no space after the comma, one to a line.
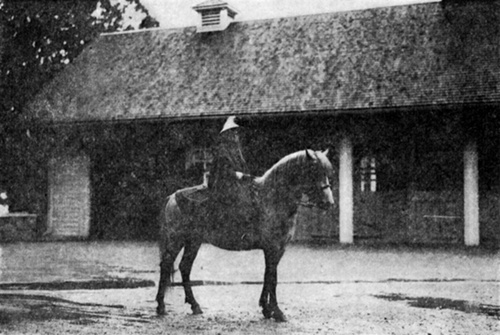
(322,290)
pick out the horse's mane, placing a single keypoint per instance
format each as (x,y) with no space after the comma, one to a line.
(291,164)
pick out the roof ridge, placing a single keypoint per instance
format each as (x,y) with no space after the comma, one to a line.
(211,3)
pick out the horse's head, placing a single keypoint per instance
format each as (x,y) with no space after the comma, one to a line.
(319,172)
(302,172)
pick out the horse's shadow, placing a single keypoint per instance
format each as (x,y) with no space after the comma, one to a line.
(223,322)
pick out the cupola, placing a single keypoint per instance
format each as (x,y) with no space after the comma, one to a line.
(216,15)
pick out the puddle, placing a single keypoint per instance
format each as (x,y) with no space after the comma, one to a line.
(16,308)
(105,284)
(49,300)
(443,303)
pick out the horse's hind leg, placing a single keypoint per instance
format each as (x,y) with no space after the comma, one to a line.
(168,256)
(190,251)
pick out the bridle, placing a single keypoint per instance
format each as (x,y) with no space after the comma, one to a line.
(312,194)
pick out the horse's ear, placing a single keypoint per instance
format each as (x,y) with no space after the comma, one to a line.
(309,154)
(326,152)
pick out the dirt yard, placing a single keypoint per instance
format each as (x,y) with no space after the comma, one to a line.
(322,291)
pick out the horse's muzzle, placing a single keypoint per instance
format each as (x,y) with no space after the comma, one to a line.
(328,199)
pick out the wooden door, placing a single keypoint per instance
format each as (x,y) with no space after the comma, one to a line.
(435,217)
(69,197)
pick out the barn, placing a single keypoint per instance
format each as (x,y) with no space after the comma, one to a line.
(407,99)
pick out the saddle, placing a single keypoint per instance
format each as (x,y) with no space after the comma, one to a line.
(190,199)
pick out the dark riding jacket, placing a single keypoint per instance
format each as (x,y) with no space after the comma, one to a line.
(229,184)
(227,162)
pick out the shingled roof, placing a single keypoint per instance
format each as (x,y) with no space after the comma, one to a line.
(394,57)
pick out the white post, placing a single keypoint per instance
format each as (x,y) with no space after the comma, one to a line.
(471,195)
(345,191)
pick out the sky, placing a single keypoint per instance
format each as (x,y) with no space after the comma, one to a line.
(179,13)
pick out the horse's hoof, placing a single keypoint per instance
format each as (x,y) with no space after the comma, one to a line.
(267,312)
(275,313)
(160,310)
(279,316)
(196,310)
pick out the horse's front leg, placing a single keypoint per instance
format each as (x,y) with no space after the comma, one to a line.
(268,300)
(190,252)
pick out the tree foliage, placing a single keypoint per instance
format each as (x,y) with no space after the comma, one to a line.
(41,37)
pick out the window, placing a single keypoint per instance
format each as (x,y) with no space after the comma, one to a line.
(199,159)
(368,174)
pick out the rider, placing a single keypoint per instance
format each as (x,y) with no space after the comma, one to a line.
(229,183)
(228,164)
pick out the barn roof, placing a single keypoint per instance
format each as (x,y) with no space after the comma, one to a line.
(394,57)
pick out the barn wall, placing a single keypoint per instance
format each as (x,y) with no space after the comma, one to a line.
(419,195)
(489,218)
(134,166)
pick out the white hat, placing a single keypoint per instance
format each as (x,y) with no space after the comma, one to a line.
(230,124)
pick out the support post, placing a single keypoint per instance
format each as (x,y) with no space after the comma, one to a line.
(471,195)
(345,191)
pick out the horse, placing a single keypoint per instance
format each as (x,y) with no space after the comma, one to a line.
(279,193)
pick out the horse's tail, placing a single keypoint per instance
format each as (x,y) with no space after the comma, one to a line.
(168,251)
(162,223)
